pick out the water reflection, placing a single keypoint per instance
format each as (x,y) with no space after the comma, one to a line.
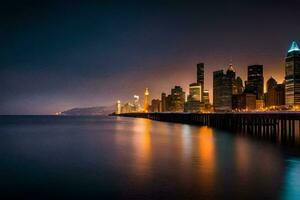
(206,145)
(185,152)
(187,140)
(142,146)
(126,158)
(291,188)
(243,156)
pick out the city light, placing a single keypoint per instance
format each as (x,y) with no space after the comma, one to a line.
(230,93)
(294,47)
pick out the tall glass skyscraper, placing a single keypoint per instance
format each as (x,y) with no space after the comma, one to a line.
(292,76)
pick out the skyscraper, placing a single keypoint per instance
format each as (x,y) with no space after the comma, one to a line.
(222,91)
(200,77)
(224,86)
(255,83)
(292,76)
(194,103)
(206,97)
(136,103)
(275,94)
(195,91)
(146,100)
(175,101)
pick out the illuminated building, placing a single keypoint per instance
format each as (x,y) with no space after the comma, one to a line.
(195,91)
(200,77)
(175,101)
(194,103)
(155,105)
(127,108)
(260,104)
(195,100)
(163,102)
(193,106)
(118,107)
(292,76)
(206,97)
(255,82)
(136,103)
(146,100)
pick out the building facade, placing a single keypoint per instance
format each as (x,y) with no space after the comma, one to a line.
(146,100)
(200,77)
(194,99)
(118,107)
(255,82)
(292,76)
(275,96)
(194,106)
(155,105)
(136,103)
(222,91)
(175,101)
(127,108)
(163,102)
(244,102)
(195,92)
(206,97)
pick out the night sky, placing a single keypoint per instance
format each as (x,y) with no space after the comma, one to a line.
(64,54)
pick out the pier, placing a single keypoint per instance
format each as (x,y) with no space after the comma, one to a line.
(277,126)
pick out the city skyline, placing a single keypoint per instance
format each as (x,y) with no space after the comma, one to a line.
(92,57)
(229,92)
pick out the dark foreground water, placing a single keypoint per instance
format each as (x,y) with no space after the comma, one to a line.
(125,158)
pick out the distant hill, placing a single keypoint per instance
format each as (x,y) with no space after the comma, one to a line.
(98,110)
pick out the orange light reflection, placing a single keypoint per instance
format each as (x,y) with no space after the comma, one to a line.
(207,157)
(142,146)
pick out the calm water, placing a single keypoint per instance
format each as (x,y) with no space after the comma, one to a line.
(127,158)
